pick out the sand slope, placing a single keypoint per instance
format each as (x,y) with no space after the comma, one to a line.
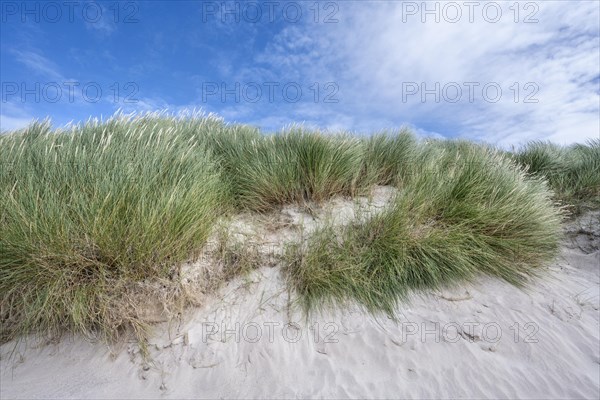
(486,339)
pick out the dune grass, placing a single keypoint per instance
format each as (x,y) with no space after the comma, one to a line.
(95,220)
(389,157)
(88,213)
(468,211)
(264,172)
(573,172)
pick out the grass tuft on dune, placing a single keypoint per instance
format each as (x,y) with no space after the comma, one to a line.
(89,212)
(468,211)
(573,172)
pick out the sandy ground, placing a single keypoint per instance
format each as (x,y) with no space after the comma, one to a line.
(487,339)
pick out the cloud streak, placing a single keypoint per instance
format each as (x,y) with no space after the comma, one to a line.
(375,51)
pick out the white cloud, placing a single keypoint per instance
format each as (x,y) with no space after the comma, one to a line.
(13,117)
(376,50)
(100,19)
(39,64)
(10,123)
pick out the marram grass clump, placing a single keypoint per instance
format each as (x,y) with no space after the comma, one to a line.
(468,211)
(573,172)
(92,214)
(266,171)
(389,158)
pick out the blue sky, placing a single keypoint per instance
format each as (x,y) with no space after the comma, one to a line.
(502,72)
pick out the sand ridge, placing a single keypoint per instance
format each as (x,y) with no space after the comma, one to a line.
(251,340)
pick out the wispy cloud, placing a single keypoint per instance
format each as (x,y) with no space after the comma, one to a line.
(14,116)
(375,51)
(37,63)
(104,22)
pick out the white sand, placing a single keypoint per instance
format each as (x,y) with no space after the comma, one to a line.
(487,339)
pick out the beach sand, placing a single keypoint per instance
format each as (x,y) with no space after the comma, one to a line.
(485,339)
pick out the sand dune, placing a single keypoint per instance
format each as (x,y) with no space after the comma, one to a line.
(485,339)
